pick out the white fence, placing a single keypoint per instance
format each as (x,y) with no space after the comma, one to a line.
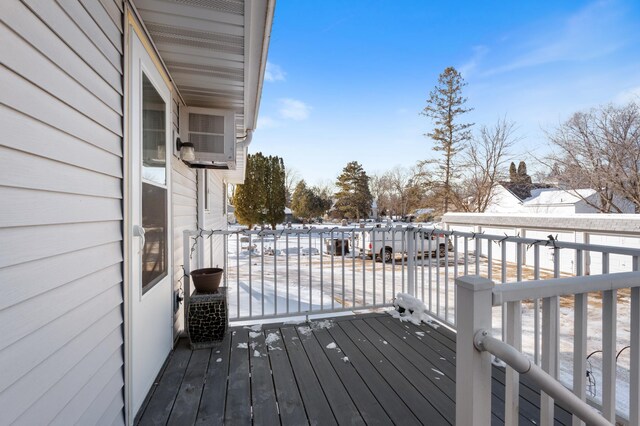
(476,295)
(300,272)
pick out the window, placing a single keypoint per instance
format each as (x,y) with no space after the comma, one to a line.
(154,189)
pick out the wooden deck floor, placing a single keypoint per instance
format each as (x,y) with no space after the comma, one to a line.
(364,369)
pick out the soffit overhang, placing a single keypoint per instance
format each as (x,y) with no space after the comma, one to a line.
(214,50)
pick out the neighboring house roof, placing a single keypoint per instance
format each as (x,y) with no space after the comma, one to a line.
(522,191)
(419,212)
(555,196)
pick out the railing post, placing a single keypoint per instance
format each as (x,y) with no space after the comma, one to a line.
(473,367)
(411,260)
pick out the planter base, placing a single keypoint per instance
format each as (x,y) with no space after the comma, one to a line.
(207,318)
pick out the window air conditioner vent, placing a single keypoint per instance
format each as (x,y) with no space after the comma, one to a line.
(212,133)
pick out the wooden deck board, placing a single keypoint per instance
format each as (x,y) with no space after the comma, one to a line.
(395,373)
(263,396)
(313,396)
(214,394)
(429,401)
(343,407)
(162,397)
(187,402)
(292,411)
(238,407)
(368,406)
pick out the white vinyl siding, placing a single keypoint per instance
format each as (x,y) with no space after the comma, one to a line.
(61,106)
(215,219)
(185,217)
(184,214)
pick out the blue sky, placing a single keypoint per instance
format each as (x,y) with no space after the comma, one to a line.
(346,80)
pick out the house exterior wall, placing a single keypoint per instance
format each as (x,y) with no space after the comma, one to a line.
(188,198)
(503,201)
(61,112)
(184,212)
(560,209)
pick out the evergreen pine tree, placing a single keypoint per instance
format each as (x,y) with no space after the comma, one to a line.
(445,106)
(353,197)
(300,200)
(276,193)
(523,177)
(249,198)
(513,174)
(262,196)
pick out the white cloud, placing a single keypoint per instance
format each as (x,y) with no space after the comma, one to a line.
(294,109)
(265,122)
(274,72)
(592,32)
(468,67)
(626,96)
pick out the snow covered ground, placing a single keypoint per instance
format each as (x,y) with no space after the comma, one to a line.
(297,276)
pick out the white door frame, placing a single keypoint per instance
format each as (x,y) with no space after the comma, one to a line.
(132,291)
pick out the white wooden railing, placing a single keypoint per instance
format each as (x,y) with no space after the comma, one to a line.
(477,295)
(291,272)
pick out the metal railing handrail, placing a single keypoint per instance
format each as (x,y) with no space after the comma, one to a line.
(549,242)
(525,290)
(483,341)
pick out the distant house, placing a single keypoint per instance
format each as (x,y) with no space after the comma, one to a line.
(542,198)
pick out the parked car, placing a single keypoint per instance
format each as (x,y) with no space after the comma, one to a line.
(387,244)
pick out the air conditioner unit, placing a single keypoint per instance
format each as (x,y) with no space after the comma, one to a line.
(213,135)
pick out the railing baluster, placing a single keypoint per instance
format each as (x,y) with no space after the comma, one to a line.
(343,297)
(512,379)
(608,348)
(411,262)
(364,274)
(437,250)
(250,279)
(503,279)
(353,269)
(580,341)
(310,272)
(384,264)
(550,340)
(634,357)
(299,276)
(489,260)
(536,307)
(321,274)
(422,264)
(519,257)
(393,262)
(238,247)
(478,254)
(373,265)
(549,354)
(430,243)
(275,274)
(286,262)
(466,255)
(446,277)
(455,273)
(333,252)
(262,273)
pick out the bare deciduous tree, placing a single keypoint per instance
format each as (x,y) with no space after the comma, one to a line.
(600,149)
(291,179)
(486,160)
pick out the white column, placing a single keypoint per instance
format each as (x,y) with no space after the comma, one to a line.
(473,367)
